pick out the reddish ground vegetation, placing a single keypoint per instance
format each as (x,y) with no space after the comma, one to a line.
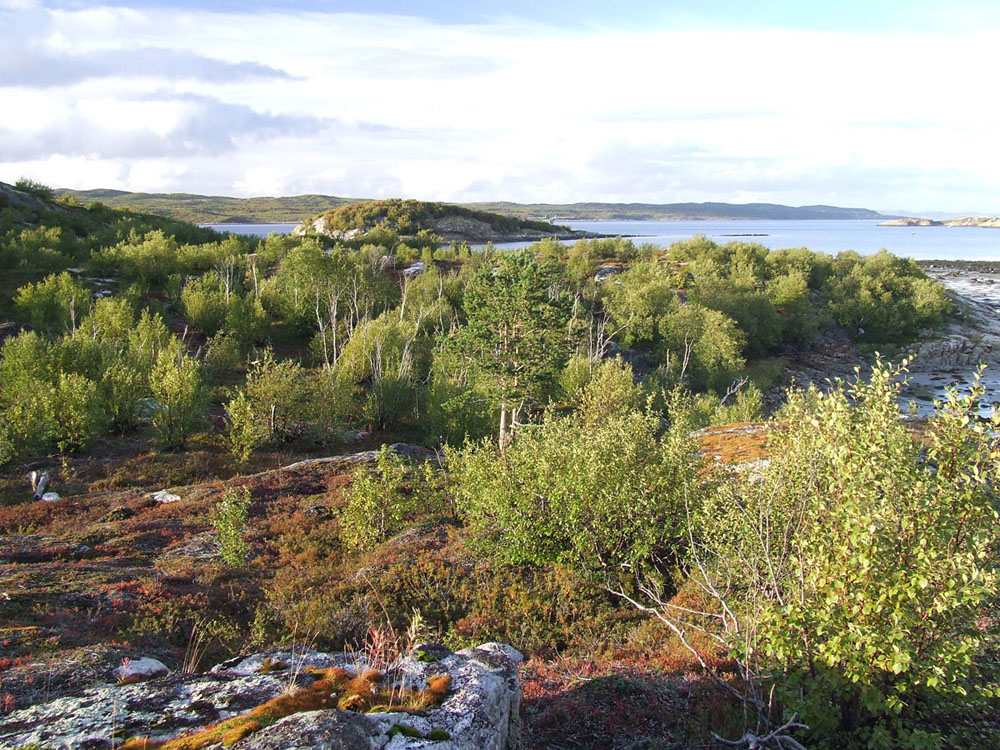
(110,573)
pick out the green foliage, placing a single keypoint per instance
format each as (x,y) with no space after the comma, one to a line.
(246,430)
(382,364)
(867,607)
(204,303)
(278,401)
(646,294)
(213,303)
(603,495)
(151,257)
(78,413)
(39,248)
(180,397)
(791,298)
(884,298)
(737,292)
(610,391)
(376,502)
(409,218)
(229,517)
(517,328)
(458,402)
(35,188)
(54,305)
(701,347)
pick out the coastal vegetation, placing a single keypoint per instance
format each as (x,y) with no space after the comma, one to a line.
(539,474)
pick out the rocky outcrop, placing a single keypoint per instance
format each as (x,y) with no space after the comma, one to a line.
(957,350)
(911,222)
(988,222)
(463,229)
(481,711)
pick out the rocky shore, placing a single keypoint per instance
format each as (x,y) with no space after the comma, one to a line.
(989,222)
(949,355)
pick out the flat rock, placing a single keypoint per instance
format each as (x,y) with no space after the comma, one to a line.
(481,712)
(140,670)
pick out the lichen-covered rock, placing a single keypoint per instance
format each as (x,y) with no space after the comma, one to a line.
(481,710)
(316,730)
(140,670)
(160,709)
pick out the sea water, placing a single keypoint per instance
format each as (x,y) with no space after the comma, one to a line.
(830,236)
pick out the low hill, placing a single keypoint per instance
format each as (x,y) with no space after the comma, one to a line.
(676,211)
(214,209)
(409,218)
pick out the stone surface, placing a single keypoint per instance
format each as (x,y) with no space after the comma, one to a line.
(140,670)
(482,710)
(164,496)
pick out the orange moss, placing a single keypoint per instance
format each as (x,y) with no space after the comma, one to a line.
(239,732)
(438,685)
(734,444)
(333,688)
(271,666)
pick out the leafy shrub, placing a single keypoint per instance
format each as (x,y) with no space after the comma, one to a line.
(246,430)
(601,495)
(738,293)
(376,502)
(866,609)
(55,304)
(151,257)
(229,517)
(179,394)
(204,304)
(884,298)
(281,396)
(611,390)
(382,363)
(78,413)
(35,188)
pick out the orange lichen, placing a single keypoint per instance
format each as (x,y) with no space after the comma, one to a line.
(239,732)
(734,444)
(332,688)
(439,685)
(271,666)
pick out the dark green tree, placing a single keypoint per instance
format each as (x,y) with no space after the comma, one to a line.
(517,331)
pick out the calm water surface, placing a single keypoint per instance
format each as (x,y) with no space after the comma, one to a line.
(922,243)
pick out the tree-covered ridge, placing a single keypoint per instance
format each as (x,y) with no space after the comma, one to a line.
(410,217)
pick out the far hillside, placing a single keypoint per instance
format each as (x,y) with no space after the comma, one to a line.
(220,209)
(678,211)
(213,209)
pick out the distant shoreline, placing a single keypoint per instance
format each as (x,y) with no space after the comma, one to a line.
(978,266)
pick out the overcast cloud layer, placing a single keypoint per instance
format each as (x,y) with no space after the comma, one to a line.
(280,101)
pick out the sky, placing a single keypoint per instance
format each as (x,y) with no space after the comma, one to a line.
(886,105)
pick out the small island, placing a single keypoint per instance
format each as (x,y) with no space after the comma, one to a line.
(451,223)
(989,222)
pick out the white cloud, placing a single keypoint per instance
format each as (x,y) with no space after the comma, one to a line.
(271,180)
(375,105)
